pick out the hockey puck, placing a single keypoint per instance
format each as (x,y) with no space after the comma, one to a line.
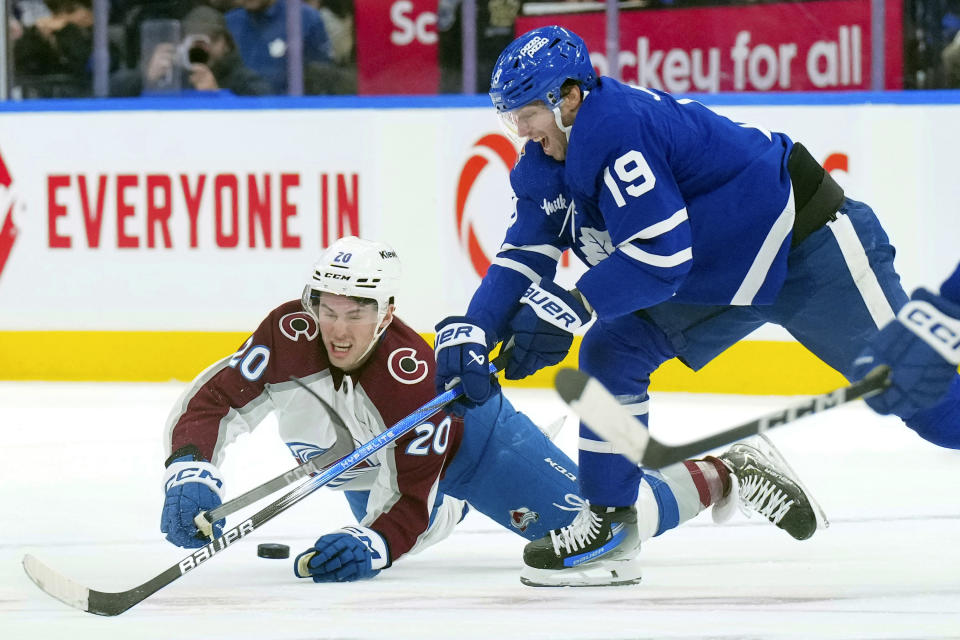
(271,550)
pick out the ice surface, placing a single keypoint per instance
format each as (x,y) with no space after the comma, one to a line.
(80,484)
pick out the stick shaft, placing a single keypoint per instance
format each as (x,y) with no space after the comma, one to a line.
(114,603)
(659,455)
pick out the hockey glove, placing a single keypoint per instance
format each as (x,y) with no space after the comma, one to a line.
(352,553)
(461,348)
(191,486)
(543,328)
(922,349)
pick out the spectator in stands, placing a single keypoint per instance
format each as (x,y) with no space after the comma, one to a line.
(338,21)
(259,27)
(207,58)
(14,26)
(495,20)
(51,58)
(951,63)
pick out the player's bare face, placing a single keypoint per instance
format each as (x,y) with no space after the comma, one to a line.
(537,122)
(347,326)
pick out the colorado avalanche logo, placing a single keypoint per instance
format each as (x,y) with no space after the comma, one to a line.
(304,451)
(299,323)
(522,518)
(404,366)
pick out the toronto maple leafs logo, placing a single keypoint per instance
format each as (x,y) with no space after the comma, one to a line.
(595,245)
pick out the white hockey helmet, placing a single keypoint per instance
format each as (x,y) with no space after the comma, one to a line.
(356,268)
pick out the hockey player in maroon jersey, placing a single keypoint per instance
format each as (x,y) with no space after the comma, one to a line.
(343,341)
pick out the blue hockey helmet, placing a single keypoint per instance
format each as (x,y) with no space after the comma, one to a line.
(535,66)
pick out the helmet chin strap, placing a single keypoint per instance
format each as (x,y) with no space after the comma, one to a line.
(559,118)
(376,334)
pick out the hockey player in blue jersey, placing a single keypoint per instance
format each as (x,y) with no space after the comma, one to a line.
(696,231)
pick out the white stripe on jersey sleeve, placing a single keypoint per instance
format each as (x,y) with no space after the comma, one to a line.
(657,260)
(757,273)
(519,267)
(544,249)
(659,228)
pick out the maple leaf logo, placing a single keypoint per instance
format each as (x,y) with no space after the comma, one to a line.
(8,232)
(595,245)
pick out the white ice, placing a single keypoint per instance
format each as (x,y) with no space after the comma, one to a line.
(80,488)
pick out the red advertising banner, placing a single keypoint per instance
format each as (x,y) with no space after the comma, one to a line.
(790,46)
(397,47)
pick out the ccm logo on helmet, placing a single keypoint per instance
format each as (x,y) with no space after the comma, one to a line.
(336,276)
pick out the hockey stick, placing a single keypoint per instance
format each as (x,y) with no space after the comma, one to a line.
(343,445)
(599,409)
(114,603)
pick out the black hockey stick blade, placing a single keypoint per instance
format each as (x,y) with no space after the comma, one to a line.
(604,415)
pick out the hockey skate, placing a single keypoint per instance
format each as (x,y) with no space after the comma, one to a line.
(763,483)
(599,548)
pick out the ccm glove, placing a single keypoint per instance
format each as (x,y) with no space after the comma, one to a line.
(543,328)
(922,349)
(461,348)
(352,553)
(191,486)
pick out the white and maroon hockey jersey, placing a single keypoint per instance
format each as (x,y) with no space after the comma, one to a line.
(235,394)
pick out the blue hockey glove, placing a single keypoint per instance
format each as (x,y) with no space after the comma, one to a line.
(461,348)
(352,553)
(191,486)
(922,348)
(543,328)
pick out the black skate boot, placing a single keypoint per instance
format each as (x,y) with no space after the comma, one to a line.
(598,548)
(765,484)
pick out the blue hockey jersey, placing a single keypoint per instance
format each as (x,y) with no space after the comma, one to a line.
(699,207)
(662,198)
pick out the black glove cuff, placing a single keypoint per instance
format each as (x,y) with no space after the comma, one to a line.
(186,450)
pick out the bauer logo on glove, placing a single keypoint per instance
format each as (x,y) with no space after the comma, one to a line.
(460,333)
(550,306)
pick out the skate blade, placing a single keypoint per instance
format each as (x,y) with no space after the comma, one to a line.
(611,573)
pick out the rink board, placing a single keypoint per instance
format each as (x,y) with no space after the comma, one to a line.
(158,232)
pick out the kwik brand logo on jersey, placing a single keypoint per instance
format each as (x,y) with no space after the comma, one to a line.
(8,231)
